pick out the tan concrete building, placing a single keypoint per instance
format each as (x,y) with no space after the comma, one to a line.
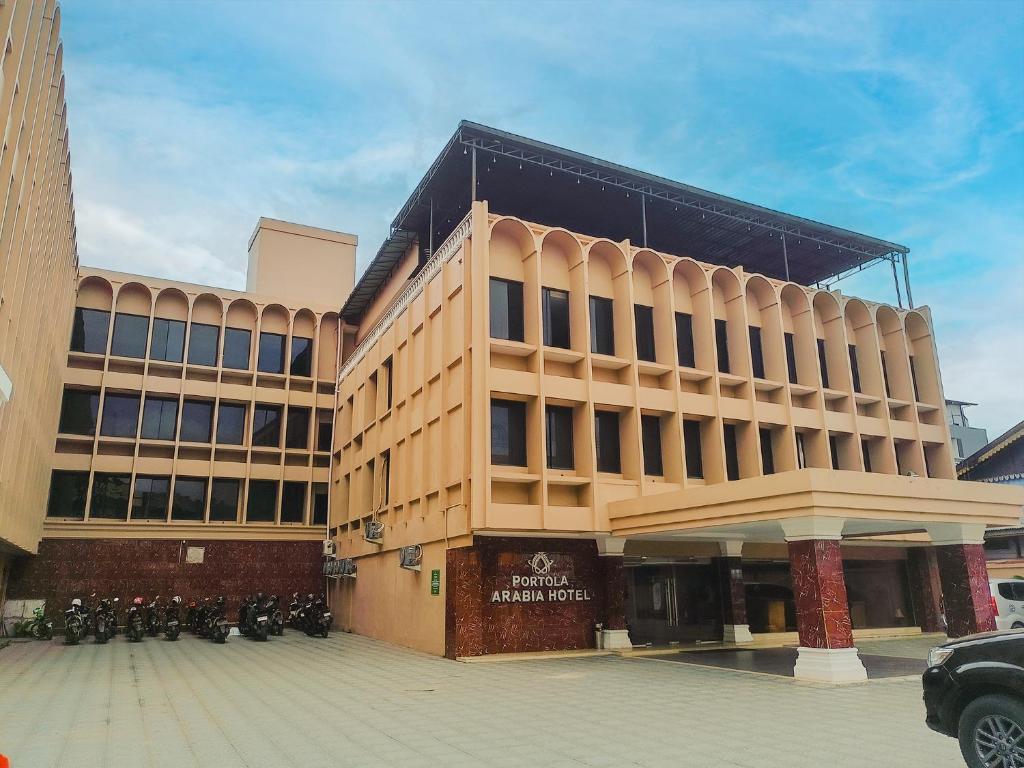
(38,263)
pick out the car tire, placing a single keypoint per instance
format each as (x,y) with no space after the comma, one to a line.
(981,718)
(1017,625)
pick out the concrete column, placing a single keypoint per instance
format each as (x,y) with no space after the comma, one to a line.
(964,577)
(826,652)
(729,568)
(614,634)
(925,588)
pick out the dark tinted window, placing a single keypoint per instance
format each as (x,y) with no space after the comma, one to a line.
(692,445)
(722,345)
(913,379)
(271,353)
(865,450)
(297,429)
(1010,590)
(266,425)
(319,503)
(293,502)
(168,341)
(196,421)
(389,384)
(224,500)
(262,507)
(151,498)
(67,494)
(385,464)
(159,418)
(89,331)
(231,423)
(189,498)
(732,459)
(885,377)
(644,319)
(110,496)
(606,432)
(302,356)
(756,352)
(120,415)
(833,451)
(684,340)
(823,363)
(202,344)
(324,429)
(651,428)
(508,432)
(791,358)
(237,342)
(602,326)
(854,368)
(559,437)
(801,451)
(130,333)
(556,318)
(78,412)
(506,309)
(767,452)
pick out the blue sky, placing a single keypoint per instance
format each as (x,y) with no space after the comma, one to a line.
(901,120)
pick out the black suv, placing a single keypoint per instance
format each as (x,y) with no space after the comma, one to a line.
(974,691)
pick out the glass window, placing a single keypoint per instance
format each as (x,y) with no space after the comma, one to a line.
(202,344)
(767,451)
(67,494)
(293,502)
(130,333)
(559,437)
(508,432)
(556,318)
(89,331)
(262,507)
(684,340)
(78,412)
(231,423)
(722,345)
(606,431)
(196,421)
(694,452)
(913,379)
(320,503)
(324,429)
(885,376)
(385,466)
(791,358)
(151,497)
(643,318)
(302,356)
(296,433)
(120,415)
(854,368)
(756,352)
(271,352)
(389,373)
(833,451)
(602,326)
(168,341)
(110,496)
(189,498)
(224,500)
(801,451)
(823,363)
(506,309)
(159,418)
(865,451)
(651,429)
(237,343)
(266,426)
(732,457)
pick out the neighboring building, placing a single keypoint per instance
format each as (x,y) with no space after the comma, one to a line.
(194,443)
(553,427)
(38,262)
(965,438)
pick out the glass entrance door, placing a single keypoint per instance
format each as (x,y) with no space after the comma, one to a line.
(673,603)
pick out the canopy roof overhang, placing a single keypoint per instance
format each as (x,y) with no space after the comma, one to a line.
(549,185)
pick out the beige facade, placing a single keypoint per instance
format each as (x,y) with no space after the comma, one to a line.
(38,262)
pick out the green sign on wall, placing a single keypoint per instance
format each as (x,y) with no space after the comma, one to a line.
(435,582)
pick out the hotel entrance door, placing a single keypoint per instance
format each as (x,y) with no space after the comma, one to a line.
(673,603)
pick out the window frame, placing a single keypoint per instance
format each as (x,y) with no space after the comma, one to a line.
(555,335)
(693,448)
(80,327)
(610,461)
(262,360)
(643,325)
(654,461)
(176,505)
(194,351)
(558,423)
(152,400)
(516,455)
(193,403)
(129,317)
(686,353)
(514,305)
(599,344)
(160,339)
(70,411)
(117,397)
(230,348)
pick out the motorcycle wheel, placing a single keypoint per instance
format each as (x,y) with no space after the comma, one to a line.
(261,634)
(221,638)
(36,632)
(49,632)
(172,633)
(324,631)
(71,637)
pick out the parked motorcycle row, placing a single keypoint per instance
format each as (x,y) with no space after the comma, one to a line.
(258,618)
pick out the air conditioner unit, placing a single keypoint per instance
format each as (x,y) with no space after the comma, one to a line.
(330,548)
(411,558)
(373,531)
(335,569)
(348,568)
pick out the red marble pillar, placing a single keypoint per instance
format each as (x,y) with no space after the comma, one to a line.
(614,593)
(965,589)
(730,581)
(925,588)
(822,612)
(464,606)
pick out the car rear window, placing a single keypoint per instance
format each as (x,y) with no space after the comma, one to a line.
(1012,590)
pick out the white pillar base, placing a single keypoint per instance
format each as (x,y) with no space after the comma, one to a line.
(829,665)
(615,639)
(736,633)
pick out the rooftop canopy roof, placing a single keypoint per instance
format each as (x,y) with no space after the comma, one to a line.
(557,187)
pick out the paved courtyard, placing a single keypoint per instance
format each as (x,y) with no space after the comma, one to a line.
(350,701)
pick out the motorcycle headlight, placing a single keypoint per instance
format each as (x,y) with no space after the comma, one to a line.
(938,656)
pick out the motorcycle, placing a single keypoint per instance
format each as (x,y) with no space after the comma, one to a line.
(245,605)
(257,618)
(202,612)
(294,609)
(39,627)
(317,616)
(74,622)
(172,620)
(276,617)
(135,627)
(112,617)
(153,617)
(101,618)
(217,622)
(190,617)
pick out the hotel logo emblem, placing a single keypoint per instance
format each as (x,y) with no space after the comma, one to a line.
(541,564)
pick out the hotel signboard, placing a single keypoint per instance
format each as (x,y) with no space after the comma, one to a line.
(542,582)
